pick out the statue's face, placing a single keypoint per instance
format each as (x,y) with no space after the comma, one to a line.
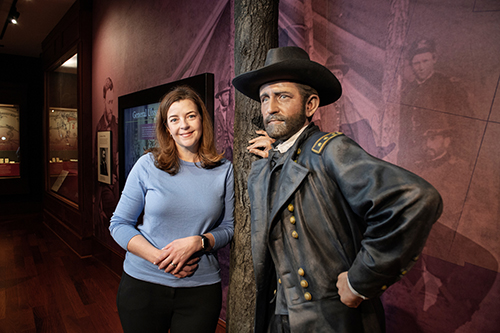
(282,109)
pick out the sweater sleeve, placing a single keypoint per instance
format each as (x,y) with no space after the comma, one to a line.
(224,230)
(131,204)
(397,209)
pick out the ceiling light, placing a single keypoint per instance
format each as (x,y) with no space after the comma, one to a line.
(11,18)
(14,15)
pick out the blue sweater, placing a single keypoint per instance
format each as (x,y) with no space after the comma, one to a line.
(192,202)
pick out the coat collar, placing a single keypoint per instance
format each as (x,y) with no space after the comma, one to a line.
(291,175)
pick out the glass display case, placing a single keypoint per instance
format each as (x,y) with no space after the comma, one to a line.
(69,171)
(10,149)
(62,129)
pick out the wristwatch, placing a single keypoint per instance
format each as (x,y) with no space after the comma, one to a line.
(205,242)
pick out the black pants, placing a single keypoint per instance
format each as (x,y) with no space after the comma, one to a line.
(149,307)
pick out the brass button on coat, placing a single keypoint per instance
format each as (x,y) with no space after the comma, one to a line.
(295,234)
(384,287)
(308,296)
(304,284)
(301,272)
(290,207)
(292,219)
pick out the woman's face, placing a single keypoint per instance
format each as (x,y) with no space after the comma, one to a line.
(185,126)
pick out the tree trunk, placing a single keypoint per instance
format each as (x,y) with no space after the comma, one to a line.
(391,82)
(309,26)
(256,31)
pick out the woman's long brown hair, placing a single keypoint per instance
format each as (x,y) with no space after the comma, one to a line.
(165,153)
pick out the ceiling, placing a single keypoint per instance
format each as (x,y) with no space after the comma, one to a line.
(36,20)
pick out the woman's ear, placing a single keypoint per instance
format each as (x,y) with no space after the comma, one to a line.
(312,105)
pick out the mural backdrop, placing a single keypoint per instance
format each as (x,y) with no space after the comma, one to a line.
(420,80)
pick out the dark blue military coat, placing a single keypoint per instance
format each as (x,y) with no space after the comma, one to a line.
(336,209)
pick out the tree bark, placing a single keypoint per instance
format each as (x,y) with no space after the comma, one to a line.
(256,31)
(309,26)
(392,81)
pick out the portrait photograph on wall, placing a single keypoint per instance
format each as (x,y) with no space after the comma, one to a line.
(104,158)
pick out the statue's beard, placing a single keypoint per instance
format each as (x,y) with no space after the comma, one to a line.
(287,127)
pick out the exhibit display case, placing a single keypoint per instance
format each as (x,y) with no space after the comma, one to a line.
(10,149)
(63,129)
(68,163)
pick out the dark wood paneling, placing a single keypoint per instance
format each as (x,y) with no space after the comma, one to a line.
(81,245)
(108,257)
(65,211)
(63,37)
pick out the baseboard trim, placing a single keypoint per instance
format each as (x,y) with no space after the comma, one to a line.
(81,246)
(109,257)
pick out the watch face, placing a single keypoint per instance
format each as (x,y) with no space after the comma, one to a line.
(205,242)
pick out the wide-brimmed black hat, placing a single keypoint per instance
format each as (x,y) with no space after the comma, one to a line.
(290,64)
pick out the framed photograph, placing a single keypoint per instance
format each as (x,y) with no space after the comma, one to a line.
(104,157)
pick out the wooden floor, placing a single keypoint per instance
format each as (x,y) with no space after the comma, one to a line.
(45,287)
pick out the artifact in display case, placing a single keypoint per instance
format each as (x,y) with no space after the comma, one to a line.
(63,129)
(63,151)
(9,141)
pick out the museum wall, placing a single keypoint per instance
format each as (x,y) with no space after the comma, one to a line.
(443,126)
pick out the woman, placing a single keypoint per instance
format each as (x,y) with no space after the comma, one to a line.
(171,274)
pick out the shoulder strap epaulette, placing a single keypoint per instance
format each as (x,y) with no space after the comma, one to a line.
(321,143)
